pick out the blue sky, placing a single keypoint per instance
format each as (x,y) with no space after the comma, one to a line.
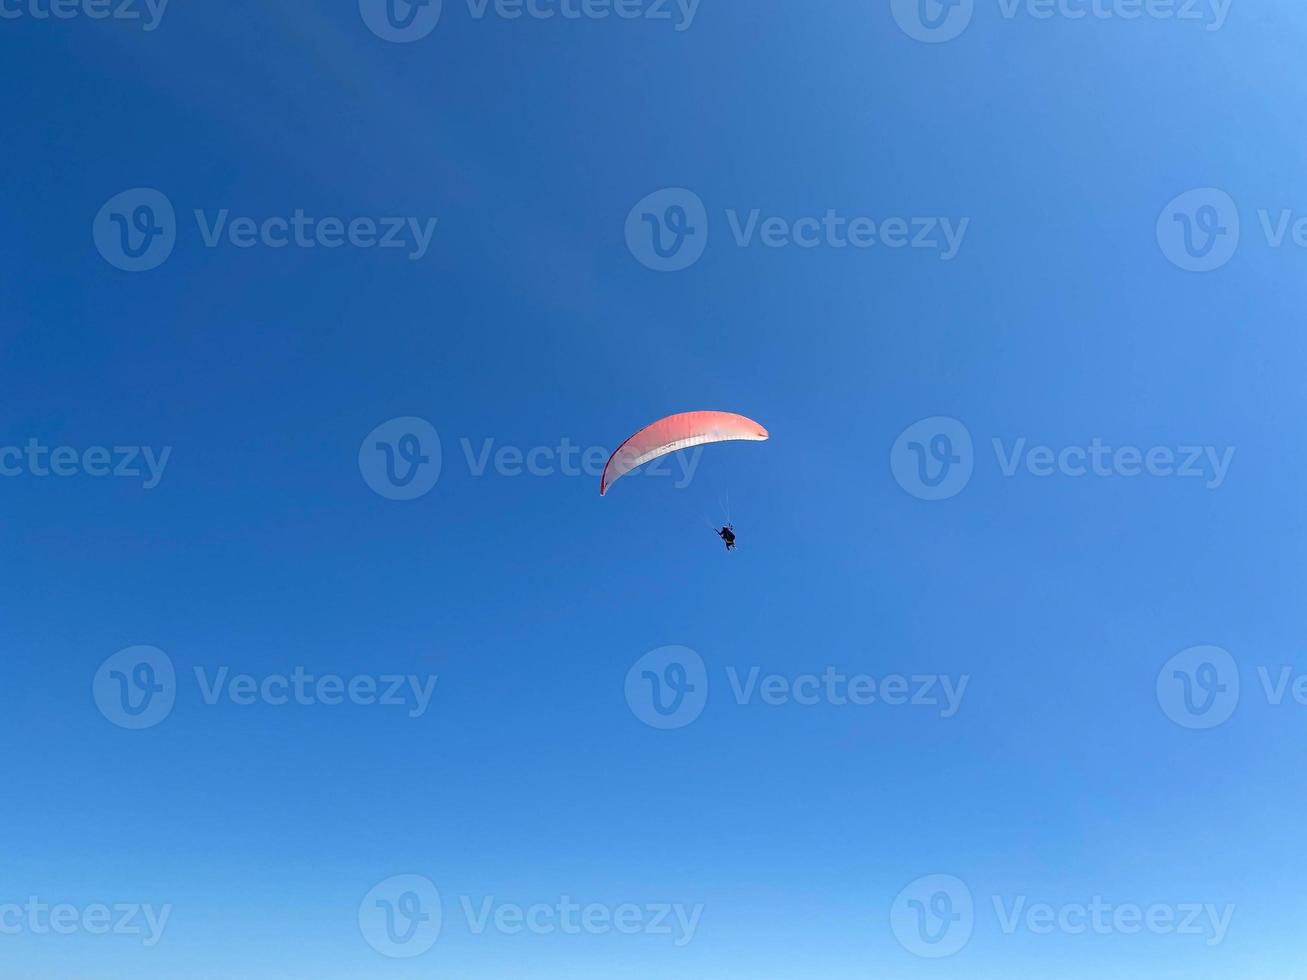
(800,839)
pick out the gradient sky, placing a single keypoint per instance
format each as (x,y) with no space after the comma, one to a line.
(1064,317)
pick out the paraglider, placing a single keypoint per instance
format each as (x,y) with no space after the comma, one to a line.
(677,432)
(682,431)
(727,534)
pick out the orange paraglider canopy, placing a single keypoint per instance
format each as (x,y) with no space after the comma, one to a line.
(677,432)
